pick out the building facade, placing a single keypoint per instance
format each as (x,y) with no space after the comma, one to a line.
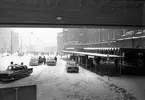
(129,43)
(9,40)
(117,38)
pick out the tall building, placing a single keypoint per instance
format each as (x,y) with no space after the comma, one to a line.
(9,40)
(101,37)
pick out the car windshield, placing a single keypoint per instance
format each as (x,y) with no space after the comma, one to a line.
(50,58)
(34,59)
(71,63)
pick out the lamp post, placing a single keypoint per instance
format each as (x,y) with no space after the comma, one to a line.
(30,41)
(11,43)
(35,44)
(21,44)
(108,57)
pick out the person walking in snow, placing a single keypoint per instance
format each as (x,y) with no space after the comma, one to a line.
(44,60)
(116,63)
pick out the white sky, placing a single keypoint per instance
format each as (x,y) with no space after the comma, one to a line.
(41,37)
(45,36)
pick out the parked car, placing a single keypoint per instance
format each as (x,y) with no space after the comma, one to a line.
(50,61)
(14,72)
(71,66)
(6,54)
(34,61)
(20,54)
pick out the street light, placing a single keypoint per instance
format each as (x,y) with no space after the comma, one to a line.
(35,44)
(21,44)
(11,43)
(30,41)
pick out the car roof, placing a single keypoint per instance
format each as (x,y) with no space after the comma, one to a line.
(34,58)
(71,62)
(51,58)
(17,66)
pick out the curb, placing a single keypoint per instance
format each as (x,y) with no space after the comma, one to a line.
(125,95)
(122,94)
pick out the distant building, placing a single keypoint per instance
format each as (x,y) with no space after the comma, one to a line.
(81,38)
(9,40)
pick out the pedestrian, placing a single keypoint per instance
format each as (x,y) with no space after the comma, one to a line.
(44,60)
(116,63)
(55,58)
(11,63)
(121,61)
(98,64)
(21,63)
(40,60)
(95,64)
(89,63)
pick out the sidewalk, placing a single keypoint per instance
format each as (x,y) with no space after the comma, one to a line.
(119,86)
(133,84)
(130,85)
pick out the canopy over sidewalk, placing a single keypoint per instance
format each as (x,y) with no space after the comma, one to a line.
(93,54)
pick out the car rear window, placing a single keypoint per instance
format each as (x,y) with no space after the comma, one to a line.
(34,59)
(50,59)
(71,63)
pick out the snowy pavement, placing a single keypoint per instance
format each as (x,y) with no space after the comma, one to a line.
(54,83)
(133,84)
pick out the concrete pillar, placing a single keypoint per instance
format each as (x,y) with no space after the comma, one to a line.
(86,58)
(79,60)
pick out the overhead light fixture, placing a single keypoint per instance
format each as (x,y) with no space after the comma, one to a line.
(59,18)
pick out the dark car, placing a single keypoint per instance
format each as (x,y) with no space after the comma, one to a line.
(34,61)
(50,61)
(71,66)
(14,72)
(20,54)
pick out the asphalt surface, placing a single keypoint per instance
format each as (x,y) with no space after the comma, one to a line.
(54,83)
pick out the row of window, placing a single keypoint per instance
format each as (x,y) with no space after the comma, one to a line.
(77,36)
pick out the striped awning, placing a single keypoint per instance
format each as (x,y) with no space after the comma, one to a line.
(92,54)
(98,48)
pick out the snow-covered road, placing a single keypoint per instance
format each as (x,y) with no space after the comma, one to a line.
(53,83)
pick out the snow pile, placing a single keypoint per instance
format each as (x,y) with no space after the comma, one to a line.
(122,93)
(80,90)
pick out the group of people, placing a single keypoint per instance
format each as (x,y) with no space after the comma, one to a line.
(42,60)
(13,66)
(12,63)
(93,64)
